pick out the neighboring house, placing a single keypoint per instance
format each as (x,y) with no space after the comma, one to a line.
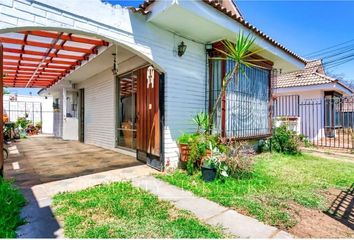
(319,104)
(310,83)
(34,108)
(131,79)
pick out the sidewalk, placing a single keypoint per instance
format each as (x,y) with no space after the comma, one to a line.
(210,212)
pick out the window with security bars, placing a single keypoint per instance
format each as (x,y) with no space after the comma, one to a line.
(244,111)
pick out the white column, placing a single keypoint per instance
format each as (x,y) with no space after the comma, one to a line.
(64,103)
(63,112)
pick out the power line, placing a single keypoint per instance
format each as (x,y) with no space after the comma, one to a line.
(335,52)
(339,59)
(309,55)
(341,62)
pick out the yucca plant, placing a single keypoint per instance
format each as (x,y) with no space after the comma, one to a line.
(202,122)
(240,52)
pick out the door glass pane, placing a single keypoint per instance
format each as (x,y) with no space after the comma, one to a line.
(127,111)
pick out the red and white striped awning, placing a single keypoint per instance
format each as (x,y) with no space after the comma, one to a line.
(41,58)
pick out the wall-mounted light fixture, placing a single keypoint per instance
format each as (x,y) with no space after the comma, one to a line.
(208,47)
(114,68)
(181,49)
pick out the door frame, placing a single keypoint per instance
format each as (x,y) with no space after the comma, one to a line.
(152,162)
(160,164)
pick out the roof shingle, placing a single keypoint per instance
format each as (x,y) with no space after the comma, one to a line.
(313,74)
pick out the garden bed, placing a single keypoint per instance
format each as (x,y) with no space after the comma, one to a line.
(120,210)
(285,191)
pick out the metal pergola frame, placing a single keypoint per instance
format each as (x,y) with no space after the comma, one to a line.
(39,59)
(42,58)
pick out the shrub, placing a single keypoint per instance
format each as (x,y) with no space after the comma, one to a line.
(194,155)
(11,202)
(199,144)
(283,141)
(186,138)
(305,140)
(239,159)
(22,122)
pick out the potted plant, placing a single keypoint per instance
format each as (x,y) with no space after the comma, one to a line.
(213,166)
(184,148)
(209,169)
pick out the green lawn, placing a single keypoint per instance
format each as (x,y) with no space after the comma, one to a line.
(11,202)
(120,210)
(276,182)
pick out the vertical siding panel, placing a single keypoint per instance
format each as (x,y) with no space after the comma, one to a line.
(99,110)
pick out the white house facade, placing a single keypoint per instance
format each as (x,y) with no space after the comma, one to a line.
(149,98)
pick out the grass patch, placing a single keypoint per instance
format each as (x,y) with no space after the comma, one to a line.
(11,202)
(120,210)
(276,181)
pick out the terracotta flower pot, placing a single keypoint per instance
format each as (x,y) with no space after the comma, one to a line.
(184,151)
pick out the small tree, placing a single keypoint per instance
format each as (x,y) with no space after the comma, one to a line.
(5,91)
(240,52)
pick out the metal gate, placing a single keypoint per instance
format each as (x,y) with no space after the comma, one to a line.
(17,109)
(326,122)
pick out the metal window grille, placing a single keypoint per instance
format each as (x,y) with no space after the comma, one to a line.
(246,101)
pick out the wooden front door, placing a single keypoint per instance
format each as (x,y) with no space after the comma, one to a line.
(148,117)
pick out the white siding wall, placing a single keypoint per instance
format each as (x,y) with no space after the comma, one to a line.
(184,96)
(99,109)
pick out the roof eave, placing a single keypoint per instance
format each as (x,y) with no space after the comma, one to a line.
(144,10)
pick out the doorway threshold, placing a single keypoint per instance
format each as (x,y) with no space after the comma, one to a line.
(126,151)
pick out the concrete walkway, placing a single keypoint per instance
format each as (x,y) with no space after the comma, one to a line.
(210,212)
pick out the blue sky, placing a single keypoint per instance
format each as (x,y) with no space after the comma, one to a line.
(301,26)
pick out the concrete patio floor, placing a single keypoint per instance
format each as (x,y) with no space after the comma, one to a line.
(44,159)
